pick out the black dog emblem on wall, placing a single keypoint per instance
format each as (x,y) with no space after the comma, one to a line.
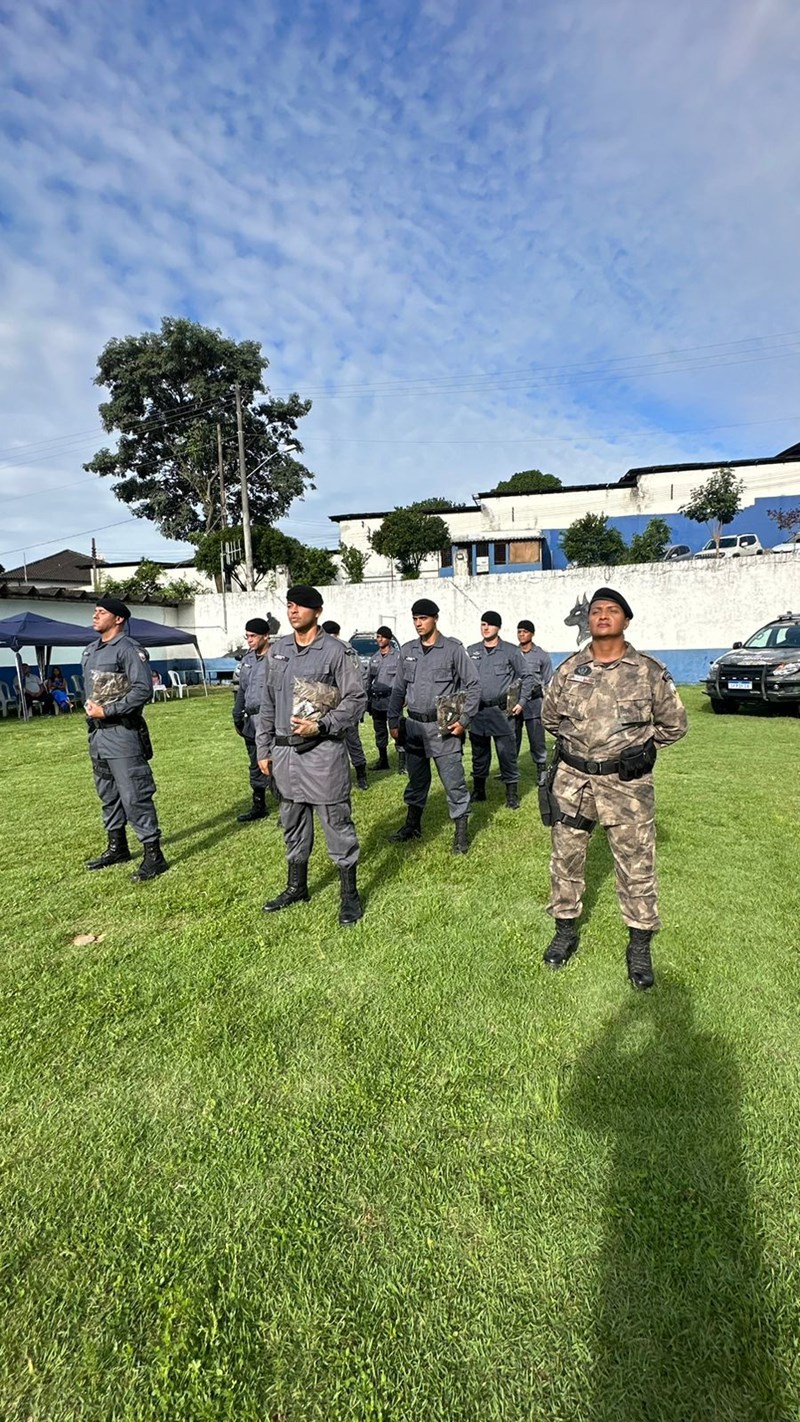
(579,617)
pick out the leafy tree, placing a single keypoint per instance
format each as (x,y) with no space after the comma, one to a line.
(168,390)
(149,581)
(715,503)
(407,535)
(589,542)
(786,519)
(434,505)
(271,549)
(651,544)
(528,481)
(354,562)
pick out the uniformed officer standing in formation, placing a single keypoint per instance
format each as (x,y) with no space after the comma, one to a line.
(352,736)
(499,666)
(246,706)
(610,707)
(306,755)
(432,667)
(539,661)
(119,743)
(381,672)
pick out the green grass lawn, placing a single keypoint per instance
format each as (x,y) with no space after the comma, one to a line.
(269,1170)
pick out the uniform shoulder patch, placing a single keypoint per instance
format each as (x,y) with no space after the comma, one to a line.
(143,657)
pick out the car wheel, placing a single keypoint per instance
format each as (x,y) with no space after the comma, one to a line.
(724,708)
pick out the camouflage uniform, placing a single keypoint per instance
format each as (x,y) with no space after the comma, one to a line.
(597,711)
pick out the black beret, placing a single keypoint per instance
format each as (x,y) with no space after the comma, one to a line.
(424,607)
(493,618)
(332,627)
(257,625)
(609,595)
(527,624)
(114,605)
(303,595)
(384,632)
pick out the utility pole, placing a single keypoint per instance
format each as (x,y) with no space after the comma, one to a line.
(223,510)
(249,576)
(94,566)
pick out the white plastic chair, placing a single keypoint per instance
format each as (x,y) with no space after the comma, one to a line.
(161,690)
(77,690)
(179,686)
(8,700)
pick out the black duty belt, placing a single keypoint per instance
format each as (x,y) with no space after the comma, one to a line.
(422,715)
(495,701)
(381,691)
(590,767)
(299,741)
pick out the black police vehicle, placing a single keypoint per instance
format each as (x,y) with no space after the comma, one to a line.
(765,668)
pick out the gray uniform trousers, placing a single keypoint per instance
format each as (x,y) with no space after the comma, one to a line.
(352,739)
(126,788)
(420,738)
(492,724)
(297,822)
(381,728)
(536,741)
(258,780)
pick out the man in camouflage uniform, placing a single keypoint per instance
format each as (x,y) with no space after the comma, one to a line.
(539,662)
(609,707)
(246,707)
(352,735)
(500,665)
(306,753)
(381,671)
(118,684)
(432,668)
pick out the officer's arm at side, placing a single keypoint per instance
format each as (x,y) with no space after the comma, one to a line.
(397,699)
(138,673)
(469,678)
(670,721)
(551,716)
(529,681)
(353,696)
(265,720)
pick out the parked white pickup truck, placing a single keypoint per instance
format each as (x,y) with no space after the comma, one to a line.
(732,545)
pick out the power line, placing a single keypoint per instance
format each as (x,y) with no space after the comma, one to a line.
(81,437)
(46,542)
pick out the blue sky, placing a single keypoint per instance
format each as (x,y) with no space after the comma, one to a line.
(469,231)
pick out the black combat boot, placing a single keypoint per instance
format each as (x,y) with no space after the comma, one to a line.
(512,795)
(153,863)
(460,841)
(350,908)
(296,891)
(259,809)
(563,944)
(478,791)
(361,777)
(640,964)
(401,762)
(412,829)
(382,763)
(116,851)
(541,771)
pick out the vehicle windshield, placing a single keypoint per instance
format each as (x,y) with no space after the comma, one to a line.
(365,646)
(731,541)
(780,634)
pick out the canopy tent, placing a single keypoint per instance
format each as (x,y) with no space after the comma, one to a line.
(30,629)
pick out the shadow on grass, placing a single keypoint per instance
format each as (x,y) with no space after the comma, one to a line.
(684,1327)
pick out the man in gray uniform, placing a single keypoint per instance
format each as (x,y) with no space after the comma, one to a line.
(381,672)
(432,667)
(539,662)
(118,684)
(302,746)
(352,736)
(249,695)
(500,666)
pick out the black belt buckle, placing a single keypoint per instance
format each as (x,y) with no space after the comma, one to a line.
(593,767)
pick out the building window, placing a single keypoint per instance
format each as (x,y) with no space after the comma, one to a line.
(446,558)
(525,551)
(481,550)
(500,554)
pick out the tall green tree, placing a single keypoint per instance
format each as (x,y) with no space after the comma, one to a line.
(589,542)
(651,544)
(716,502)
(407,535)
(528,481)
(168,390)
(149,581)
(354,562)
(271,550)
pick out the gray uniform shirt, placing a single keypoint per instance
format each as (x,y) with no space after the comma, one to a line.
(250,691)
(498,667)
(380,677)
(424,676)
(320,776)
(124,657)
(539,661)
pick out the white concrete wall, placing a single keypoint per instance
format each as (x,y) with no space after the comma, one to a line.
(685,612)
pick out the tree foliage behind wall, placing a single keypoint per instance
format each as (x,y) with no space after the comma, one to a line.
(271,550)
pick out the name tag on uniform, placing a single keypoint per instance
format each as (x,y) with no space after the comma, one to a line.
(278,657)
(582,673)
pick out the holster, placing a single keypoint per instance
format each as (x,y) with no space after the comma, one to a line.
(402,731)
(636,761)
(549,808)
